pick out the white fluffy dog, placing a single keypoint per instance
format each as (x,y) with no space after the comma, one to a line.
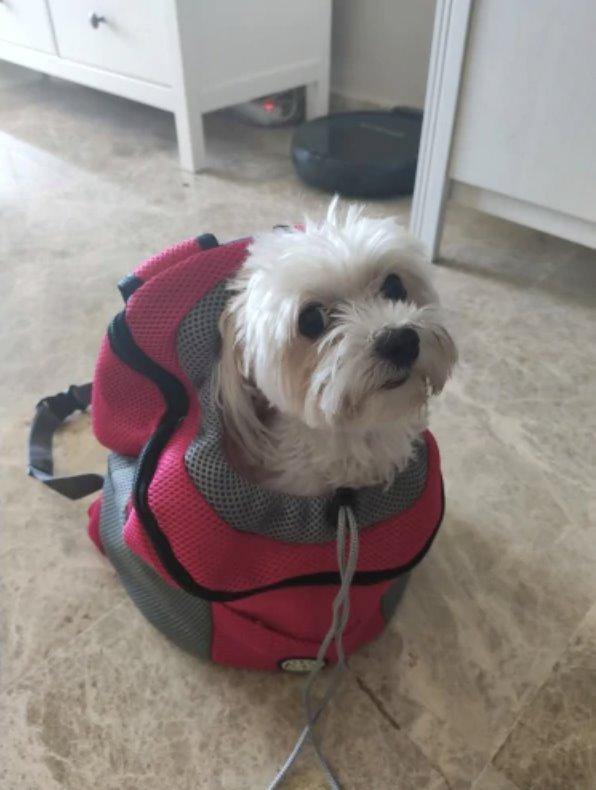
(333,341)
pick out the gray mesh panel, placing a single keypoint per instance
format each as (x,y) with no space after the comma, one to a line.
(392,596)
(198,337)
(186,620)
(248,507)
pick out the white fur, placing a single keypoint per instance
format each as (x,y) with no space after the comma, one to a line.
(307,417)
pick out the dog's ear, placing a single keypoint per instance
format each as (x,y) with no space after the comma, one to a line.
(244,408)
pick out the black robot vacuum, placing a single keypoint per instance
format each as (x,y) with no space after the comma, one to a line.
(360,154)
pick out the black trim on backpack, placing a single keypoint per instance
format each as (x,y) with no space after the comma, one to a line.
(125,347)
(207,241)
(128,285)
(176,400)
(130,282)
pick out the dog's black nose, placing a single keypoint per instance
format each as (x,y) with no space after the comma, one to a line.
(399,346)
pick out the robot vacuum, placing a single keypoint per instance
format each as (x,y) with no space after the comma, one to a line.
(360,154)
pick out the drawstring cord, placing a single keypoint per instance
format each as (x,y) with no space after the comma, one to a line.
(346,522)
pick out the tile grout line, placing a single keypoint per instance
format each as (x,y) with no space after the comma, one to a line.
(395,725)
(377,703)
(538,689)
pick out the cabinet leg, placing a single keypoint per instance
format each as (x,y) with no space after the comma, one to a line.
(191,141)
(317,99)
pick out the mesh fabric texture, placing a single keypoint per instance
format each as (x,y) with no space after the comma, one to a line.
(185,619)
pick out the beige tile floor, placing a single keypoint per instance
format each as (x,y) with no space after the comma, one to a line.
(486,677)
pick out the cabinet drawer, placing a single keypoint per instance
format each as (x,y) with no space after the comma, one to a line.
(26,22)
(131,37)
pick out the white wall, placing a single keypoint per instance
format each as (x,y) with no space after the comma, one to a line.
(380,50)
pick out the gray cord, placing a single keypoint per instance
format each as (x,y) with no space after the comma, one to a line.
(341,614)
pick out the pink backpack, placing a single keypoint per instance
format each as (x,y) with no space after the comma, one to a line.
(231,572)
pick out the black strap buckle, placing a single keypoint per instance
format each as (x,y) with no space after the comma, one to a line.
(64,404)
(128,285)
(49,414)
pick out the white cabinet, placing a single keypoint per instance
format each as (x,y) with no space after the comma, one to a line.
(186,56)
(27,23)
(510,117)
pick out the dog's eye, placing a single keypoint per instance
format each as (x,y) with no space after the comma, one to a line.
(393,289)
(312,321)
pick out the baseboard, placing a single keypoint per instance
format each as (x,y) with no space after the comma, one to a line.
(565,226)
(342,102)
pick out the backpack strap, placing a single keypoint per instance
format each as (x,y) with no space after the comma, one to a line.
(50,413)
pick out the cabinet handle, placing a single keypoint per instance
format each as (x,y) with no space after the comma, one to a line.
(95,20)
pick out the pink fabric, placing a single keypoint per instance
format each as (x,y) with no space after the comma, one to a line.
(261,631)
(308,609)
(126,407)
(221,558)
(155,311)
(93,525)
(163,260)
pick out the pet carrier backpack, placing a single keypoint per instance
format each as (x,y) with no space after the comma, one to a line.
(230,571)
